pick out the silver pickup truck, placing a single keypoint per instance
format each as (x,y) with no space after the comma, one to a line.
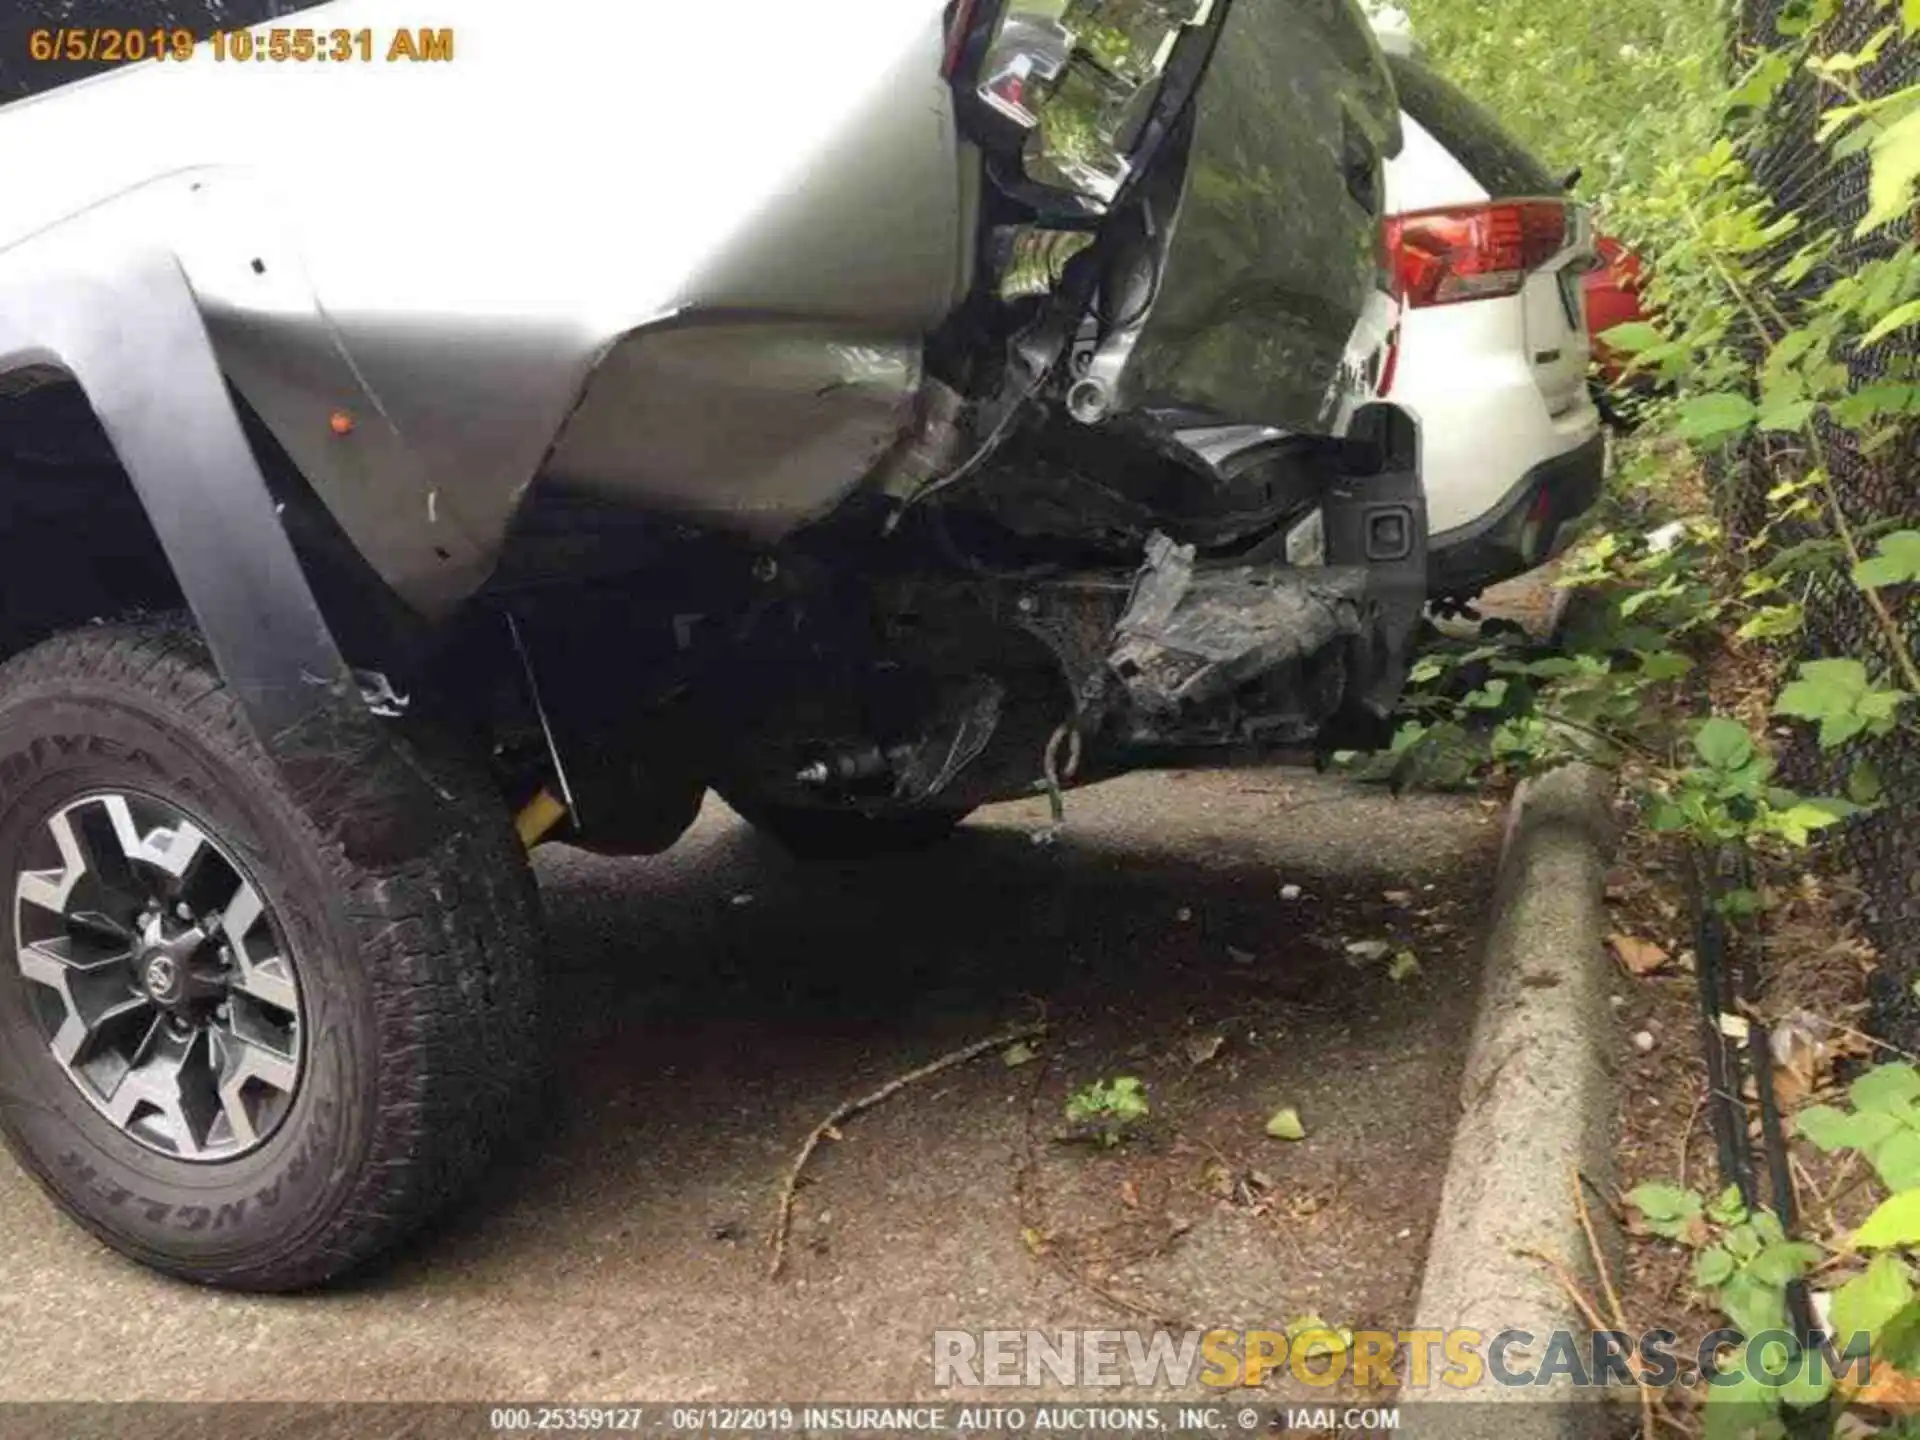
(421,441)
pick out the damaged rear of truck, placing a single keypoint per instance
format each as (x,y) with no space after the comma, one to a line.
(867,412)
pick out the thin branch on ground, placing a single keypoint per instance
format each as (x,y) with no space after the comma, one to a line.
(1648,1400)
(1593,1248)
(1850,1178)
(1839,1028)
(1803,1186)
(1686,1135)
(1570,1287)
(783,1221)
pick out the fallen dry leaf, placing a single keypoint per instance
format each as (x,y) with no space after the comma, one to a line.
(1285,1125)
(1129,1194)
(1202,1048)
(1640,957)
(1217,1180)
(1801,1059)
(1855,1427)
(1889,1388)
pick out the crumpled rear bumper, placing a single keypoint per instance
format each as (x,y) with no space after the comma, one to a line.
(1193,650)
(1212,652)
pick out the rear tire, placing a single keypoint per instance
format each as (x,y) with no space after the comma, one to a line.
(816,833)
(395,1026)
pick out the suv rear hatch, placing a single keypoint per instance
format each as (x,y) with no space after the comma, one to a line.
(1514,234)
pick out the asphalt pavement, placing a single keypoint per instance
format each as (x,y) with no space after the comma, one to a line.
(1194,930)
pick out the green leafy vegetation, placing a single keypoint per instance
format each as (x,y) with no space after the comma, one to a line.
(1658,108)
(1108,1110)
(1744,1262)
(1615,91)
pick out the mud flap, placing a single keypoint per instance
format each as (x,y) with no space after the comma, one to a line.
(1376,518)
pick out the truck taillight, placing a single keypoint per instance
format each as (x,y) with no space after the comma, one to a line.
(1473,252)
(959,29)
(1066,88)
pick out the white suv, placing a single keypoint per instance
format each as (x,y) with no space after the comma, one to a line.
(1492,347)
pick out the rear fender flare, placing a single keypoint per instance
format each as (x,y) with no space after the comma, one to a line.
(121,320)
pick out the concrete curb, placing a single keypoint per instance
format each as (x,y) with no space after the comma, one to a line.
(1537,1099)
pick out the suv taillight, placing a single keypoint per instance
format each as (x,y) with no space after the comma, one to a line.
(1473,252)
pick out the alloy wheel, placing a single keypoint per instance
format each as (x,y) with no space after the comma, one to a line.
(163,984)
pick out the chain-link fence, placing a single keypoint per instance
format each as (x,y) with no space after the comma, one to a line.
(1877,492)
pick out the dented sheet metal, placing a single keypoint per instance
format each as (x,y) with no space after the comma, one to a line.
(123,324)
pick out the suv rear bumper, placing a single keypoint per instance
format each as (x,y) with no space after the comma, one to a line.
(1526,529)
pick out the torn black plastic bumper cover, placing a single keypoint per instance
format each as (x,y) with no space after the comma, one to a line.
(1198,650)
(1192,642)
(1274,652)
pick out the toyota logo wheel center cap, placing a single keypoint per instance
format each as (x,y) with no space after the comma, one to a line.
(162,978)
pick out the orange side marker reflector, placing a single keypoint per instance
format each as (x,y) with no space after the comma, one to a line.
(341,422)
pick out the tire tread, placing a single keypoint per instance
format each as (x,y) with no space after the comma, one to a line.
(448,940)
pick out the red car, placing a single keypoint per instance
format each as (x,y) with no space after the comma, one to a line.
(1613,298)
